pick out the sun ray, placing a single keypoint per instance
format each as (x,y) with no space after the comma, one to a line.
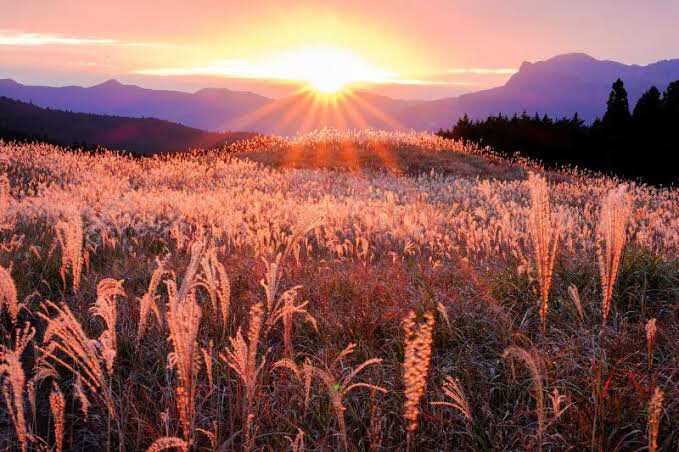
(382,116)
(302,104)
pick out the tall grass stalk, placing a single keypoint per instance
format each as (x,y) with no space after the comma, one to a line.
(183,320)
(70,236)
(148,302)
(453,390)
(611,233)
(418,340)
(513,352)
(8,294)
(241,356)
(12,379)
(654,412)
(57,408)
(544,228)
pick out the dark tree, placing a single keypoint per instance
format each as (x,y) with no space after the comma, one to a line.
(648,107)
(636,146)
(617,114)
(647,135)
(670,102)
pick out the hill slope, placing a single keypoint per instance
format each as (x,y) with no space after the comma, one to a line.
(142,136)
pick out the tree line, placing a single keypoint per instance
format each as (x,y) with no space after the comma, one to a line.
(639,144)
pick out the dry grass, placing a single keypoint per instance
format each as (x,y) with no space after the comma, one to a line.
(167,442)
(418,338)
(70,234)
(453,390)
(8,294)
(13,380)
(654,412)
(215,299)
(183,320)
(651,331)
(611,236)
(529,360)
(57,407)
(241,356)
(544,231)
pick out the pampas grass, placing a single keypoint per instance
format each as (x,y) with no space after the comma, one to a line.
(216,282)
(241,356)
(418,337)
(105,308)
(575,297)
(183,320)
(57,407)
(70,236)
(651,331)
(336,387)
(611,235)
(283,312)
(13,379)
(453,390)
(66,345)
(163,232)
(513,352)
(147,303)
(544,228)
(8,294)
(168,442)
(654,412)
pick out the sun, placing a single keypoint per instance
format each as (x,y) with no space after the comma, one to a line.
(329,70)
(324,70)
(328,85)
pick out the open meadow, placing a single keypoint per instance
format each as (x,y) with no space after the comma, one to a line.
(358,291)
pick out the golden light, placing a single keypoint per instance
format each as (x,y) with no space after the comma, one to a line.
(328,85)
(326,70)
(329,70)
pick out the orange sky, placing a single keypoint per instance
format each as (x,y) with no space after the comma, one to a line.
(429,48)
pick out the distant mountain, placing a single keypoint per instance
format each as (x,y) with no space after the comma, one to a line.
(207,109)
(559,86)
(21,121)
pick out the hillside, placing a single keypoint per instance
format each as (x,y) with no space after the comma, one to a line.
(137,135)
(199,297)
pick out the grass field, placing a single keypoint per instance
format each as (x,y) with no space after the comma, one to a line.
(361,291)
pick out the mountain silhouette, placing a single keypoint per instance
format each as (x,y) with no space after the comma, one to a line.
(559,86)
(20,120)
(207,109)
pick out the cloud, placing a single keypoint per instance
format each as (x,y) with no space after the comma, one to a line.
(8,38)
(482,71)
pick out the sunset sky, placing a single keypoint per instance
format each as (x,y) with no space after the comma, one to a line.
(407,49)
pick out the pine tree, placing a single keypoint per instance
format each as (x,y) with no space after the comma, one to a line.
(670,101)
(648,135)
(648,107)
(617,114)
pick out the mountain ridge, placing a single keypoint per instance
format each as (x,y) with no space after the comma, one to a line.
(137,135)
(558,86)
